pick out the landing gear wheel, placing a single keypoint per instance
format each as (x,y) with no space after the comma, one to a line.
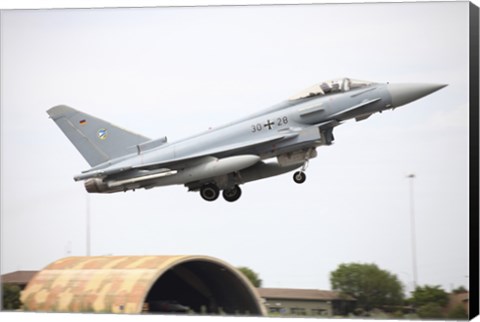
(209,192)
(299,177)
(232,194)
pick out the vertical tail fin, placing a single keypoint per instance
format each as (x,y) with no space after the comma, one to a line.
(98,141)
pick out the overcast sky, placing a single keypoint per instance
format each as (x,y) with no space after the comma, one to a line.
(178,71)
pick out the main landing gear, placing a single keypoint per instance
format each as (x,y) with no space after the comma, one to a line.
(232,194)
(210,192)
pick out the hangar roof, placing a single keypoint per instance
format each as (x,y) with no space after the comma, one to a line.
(123,284)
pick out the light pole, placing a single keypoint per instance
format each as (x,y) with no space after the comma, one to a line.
(412,228)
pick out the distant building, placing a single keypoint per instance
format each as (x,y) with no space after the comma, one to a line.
(306,302)
(20,278)
(458,299)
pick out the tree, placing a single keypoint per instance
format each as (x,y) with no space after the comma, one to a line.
(251,275)
(429,294)
(10,297)
(460,290)
(430,311)
(370,285)
(429,301)
(458,313)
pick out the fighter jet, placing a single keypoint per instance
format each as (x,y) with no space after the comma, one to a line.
(268,143)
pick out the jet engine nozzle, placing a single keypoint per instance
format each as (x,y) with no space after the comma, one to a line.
(408,92)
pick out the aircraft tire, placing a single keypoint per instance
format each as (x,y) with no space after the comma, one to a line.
(299,177)
(209,192)
(233,194)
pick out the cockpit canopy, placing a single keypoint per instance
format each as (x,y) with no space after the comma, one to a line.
(331,87)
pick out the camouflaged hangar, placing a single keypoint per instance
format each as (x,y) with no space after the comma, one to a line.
(140,284)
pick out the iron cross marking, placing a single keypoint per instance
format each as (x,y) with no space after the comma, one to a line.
(269,124)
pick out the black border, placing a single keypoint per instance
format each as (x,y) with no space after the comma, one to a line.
(474,162)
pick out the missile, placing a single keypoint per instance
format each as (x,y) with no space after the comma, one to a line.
(117,183)
(206,167)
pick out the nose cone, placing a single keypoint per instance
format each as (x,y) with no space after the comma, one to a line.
(405,93)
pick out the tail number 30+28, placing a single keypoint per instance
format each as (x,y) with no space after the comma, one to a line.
(269,124)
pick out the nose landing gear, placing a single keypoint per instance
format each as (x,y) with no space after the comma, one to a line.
(299,177)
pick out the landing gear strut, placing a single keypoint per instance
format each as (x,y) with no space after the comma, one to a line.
(232,194)
(209,192)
